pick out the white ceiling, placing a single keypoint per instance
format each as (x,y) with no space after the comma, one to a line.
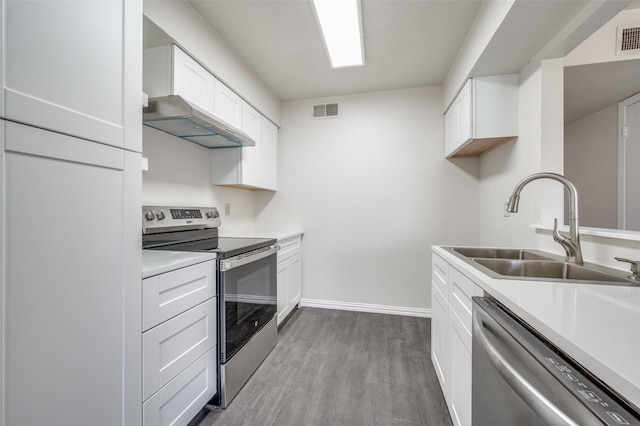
(408,43)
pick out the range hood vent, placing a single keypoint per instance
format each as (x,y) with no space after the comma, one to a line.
(174,115)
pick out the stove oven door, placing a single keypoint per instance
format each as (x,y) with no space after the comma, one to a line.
(247,298)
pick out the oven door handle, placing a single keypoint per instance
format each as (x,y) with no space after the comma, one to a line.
(236,261)
(532,396)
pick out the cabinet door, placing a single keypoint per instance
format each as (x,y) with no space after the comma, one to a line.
(465,114)
(450,130)
(294,280)
(192,81)
(228,105)
(251,125)
(173,345)
(440,337)
(289,275)
(181,399)
(72,302)
(283,298)
(460,380)
(268,155)
(289,286)
(67,65)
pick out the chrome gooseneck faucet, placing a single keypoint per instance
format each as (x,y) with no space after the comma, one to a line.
(571,243)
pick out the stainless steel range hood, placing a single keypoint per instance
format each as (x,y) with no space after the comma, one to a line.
(174,115)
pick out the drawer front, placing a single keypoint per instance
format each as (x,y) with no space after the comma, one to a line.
(289,247)
(440,274)
(182,398)
(462,289)
(167,295)
(173,345)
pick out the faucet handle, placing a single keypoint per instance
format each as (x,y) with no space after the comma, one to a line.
(557,236)
(635,267)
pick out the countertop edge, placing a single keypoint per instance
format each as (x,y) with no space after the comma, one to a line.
(156,262)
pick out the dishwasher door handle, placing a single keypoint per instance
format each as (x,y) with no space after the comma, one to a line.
(532,396)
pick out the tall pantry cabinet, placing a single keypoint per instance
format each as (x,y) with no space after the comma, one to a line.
(70,132)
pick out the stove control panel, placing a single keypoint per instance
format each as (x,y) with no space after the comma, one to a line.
(164,219)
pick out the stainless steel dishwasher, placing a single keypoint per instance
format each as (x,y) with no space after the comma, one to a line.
(521,379)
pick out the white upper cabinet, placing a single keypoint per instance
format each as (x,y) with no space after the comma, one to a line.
(170,71)
(251,167)
(71,67)
(228,105)
(269,155)
(482,116)
(192,81)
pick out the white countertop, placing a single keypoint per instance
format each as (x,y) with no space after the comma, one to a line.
(279,234)
(156,262)
(597,325)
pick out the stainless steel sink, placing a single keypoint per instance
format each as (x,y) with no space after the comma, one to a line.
(534,265)
(546,269)
(492,253)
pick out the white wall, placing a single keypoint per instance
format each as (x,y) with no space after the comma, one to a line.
(191,31)
(373,192)
(592,144)
(180,175)
(502,168)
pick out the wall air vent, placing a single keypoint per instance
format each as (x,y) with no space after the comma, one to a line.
(325,110)
(628,40)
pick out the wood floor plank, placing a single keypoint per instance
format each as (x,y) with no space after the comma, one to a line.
(342,368)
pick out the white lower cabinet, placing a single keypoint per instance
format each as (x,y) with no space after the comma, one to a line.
(460,373)
(451,347)
(289,275)
(179,352)
(183,397)
(173,345)
(166,295)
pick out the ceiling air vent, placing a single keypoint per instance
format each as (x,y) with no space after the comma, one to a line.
(628,40)
(325,110)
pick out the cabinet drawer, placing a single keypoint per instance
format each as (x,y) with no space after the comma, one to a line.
(182,398)
(289,247)
(440,274)
(173,345)
(462,289)
(167,295)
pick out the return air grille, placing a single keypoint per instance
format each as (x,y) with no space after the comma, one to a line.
(325,110)
(628,40)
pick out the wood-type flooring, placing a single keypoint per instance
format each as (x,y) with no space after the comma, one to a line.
(341,368)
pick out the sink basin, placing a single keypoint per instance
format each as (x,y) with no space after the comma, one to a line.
(546,269)
(535,265)
(492,253)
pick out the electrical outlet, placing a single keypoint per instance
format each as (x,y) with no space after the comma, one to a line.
(506,213)
(227,209)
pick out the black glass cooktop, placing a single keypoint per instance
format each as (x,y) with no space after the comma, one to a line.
(201,241)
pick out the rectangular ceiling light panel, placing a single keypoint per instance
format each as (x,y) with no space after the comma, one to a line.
(341,26)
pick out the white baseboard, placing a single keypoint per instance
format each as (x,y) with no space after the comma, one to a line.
(365,307)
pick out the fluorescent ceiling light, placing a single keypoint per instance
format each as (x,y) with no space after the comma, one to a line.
(341,25)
